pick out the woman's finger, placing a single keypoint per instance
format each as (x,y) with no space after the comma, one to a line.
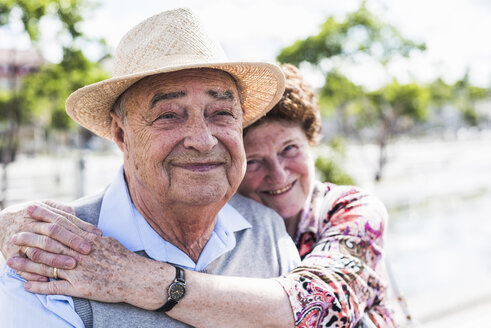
(42,212)
(32,276)
(25,265)
(44,250)
(54,287)
(59,206)
(36,237)
(13,218)
(61,230)
(68,213)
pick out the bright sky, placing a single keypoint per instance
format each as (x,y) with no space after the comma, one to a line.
(456,32)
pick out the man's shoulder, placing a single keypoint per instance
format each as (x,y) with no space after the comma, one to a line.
(44,310)
(254,212)
(88,207)
(265,250)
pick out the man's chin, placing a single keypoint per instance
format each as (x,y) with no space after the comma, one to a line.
(202,194)
(205,199)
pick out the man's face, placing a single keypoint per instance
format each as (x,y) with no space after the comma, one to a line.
(183,137)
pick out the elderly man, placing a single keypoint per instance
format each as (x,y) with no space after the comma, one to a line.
(176,109)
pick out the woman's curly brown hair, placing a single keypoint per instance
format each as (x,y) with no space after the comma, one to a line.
(298,105)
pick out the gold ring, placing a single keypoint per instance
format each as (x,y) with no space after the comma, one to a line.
(55,273)
(25,251)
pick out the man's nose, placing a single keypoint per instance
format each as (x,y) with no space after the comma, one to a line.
(199,136)
(277,171)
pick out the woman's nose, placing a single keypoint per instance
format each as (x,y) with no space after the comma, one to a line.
(277,172)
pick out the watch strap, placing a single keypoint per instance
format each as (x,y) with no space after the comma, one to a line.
(180,275)
(170,301)
(168,306)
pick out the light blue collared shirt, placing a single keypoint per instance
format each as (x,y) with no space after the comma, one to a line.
(121,220)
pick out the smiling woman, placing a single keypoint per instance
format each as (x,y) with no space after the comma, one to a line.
(338,230)
(279,168)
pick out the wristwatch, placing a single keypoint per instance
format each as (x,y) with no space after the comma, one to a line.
(175,292)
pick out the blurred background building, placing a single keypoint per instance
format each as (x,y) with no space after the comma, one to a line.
(15,64)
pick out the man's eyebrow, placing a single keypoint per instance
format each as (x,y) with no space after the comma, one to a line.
(165,96)
(221,95)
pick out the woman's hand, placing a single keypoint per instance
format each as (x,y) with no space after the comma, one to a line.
(51,237)
(107,273)
(111,273)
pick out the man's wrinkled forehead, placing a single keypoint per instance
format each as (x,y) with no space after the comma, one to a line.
(218,95)
(209,82)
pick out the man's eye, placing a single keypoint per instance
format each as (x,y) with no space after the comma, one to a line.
(167,116)
(224,112)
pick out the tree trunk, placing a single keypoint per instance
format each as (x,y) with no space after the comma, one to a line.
(382,159)
(3,191)
(383,142)
(10,142)
(8,150)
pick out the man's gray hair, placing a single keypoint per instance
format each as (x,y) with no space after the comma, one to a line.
(119,107)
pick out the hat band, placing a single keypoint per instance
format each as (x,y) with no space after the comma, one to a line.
(165,64)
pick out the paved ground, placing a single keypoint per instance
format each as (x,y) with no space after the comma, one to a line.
(439,199)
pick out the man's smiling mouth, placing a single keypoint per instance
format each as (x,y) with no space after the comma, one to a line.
(199,167)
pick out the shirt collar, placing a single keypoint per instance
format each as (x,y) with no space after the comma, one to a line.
(116,216)
(120,219)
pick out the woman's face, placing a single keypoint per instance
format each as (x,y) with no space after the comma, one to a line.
(279,167)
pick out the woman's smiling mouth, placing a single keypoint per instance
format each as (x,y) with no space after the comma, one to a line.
(280,191)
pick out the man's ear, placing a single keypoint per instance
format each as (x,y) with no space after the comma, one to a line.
(117,131)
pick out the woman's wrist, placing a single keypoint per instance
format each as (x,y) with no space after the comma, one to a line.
(149,284)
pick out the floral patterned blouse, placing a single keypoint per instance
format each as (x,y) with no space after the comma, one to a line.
(342,275)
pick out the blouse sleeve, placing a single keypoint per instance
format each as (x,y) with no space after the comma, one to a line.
(343,278)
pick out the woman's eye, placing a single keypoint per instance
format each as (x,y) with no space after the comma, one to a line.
(253,165)
(290,150)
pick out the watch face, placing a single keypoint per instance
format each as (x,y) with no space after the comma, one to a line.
(177,290)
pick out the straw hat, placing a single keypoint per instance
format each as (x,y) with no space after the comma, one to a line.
(171,41)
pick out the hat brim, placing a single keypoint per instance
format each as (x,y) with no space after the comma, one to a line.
(261,87)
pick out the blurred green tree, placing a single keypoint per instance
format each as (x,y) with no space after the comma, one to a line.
(390,110)
(46,91)
(360,33)
(394,110)
(464,96)
(329,168)
(40,96)
(461,95)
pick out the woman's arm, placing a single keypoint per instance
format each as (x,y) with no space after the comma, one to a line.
(220,301)
(111,273)
(337,283)
(344,274)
